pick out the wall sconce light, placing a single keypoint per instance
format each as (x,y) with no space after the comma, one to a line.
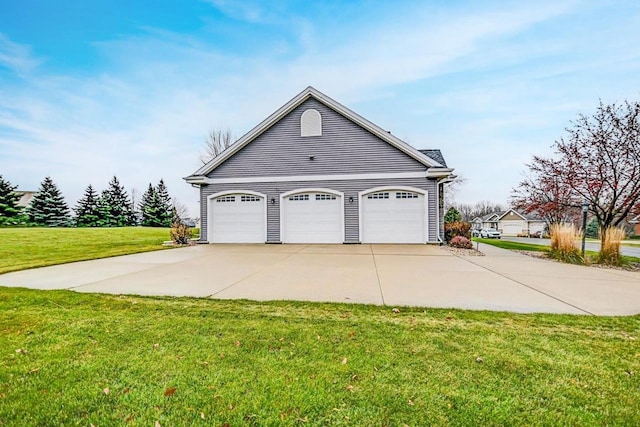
(311,157)
(273,201)
(351,199)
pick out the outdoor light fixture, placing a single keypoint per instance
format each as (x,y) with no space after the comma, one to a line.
(273,201)
(585,209)
(311,157)
(351,199)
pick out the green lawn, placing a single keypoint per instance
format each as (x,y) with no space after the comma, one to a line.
(22,248)
(78,359)
(504,244)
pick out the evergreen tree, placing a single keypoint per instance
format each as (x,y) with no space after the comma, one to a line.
(48,207)
(10,212)
(593,229)
(166,211)
(452,215)
(87,212)
(156,207)
(114,207)
(149,207)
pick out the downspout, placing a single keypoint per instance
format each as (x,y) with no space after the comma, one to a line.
(438,184)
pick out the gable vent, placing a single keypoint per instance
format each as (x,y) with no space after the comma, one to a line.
(311,123)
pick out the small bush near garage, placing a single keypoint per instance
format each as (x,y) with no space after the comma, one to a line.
(457,228)
(461,242)
(180,233)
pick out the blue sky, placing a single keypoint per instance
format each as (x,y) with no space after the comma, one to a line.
(93,89)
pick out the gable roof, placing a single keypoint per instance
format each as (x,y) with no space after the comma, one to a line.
(635,220)
(511,210)
(311,92)
(490,216)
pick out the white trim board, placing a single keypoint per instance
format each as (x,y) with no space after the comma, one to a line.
(341,177)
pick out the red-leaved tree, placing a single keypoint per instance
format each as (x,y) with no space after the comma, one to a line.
(598,162)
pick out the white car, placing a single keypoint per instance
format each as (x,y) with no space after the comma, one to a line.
(490,233)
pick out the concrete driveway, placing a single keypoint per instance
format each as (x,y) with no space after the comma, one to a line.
(394,275)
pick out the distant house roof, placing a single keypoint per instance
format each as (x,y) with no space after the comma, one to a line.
(25,197)
(489,216)
(435,155)
(635,220)
(496,216)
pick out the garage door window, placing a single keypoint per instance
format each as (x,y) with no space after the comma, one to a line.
(226,199)
(378,196)
(249,198)
(325,197)
(299,197)
(406,195)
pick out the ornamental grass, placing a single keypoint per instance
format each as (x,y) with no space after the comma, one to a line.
(564,243)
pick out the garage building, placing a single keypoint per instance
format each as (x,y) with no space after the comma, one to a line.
(316,172)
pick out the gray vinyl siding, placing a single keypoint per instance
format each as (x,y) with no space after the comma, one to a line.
(350,188)
(343,148)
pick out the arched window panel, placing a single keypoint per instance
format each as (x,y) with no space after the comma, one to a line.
(311,123)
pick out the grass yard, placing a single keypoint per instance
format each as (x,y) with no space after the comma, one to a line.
(505,244)
(518,246)
(79,359)
(22,248)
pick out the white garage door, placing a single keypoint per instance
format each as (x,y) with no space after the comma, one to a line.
(393,216)
(237,218)
(512,229)
(313,217)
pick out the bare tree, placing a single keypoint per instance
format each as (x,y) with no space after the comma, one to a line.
(451,189)
(216,142)
(179,209)
(470,211)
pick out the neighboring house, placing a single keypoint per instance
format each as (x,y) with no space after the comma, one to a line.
(316,172)
(636,225)
(510,223)
(25,197)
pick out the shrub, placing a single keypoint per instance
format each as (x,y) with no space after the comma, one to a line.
(461,242)
(457,228)
(610,246)
(564,243)
(452,215)
(180,233)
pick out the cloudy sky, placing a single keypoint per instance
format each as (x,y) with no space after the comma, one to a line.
(92,89)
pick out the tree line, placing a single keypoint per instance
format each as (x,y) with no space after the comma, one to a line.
(113,207)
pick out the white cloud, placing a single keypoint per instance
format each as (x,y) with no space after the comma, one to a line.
(145,116)
(16,57)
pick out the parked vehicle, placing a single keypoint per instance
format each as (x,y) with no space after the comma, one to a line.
(475,232)
(490,233)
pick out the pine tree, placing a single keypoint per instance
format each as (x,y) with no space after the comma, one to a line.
(87,211)
(114,207)
(452,215)
(149,207)
(166,211)
(10,212)
(48,207)
(593,229)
